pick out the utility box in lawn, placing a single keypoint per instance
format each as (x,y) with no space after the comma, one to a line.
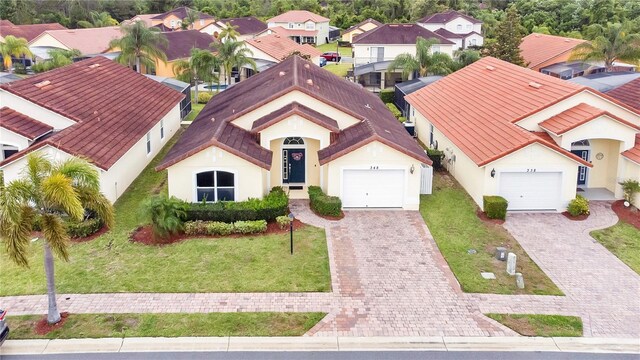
(501,253)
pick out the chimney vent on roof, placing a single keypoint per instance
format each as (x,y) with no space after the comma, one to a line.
(310,82)
(490,68)
(93,66)
(282,73)
(368,106)
(535,85)
(306,66)
(42,83)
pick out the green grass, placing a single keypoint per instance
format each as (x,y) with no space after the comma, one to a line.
(541,325)
(168,325)
(195,110)
(623,240)
(338,69)
(450,214)
(344,51)
(111,263)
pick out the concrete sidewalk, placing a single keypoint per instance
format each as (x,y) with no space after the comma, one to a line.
(224,344)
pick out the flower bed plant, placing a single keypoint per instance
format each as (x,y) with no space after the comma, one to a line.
(217,228)
(268,208)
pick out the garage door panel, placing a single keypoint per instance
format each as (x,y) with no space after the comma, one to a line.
(531,190)
(373,188)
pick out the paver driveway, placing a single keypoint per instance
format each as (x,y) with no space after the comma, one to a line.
(598,286)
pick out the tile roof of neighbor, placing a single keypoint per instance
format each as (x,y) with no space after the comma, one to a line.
(181,13)
(113,107)
(633,154)
(576,116)
(89,41)
(280,47)
(214,121)
(145,18)
(279,30)
(445,17)
(22,124)
(537,48)
(180,43)
(628,93)
(291,109)
(298,16)
(398,34)
(477,107)
(364,22)
(246,25)
(28,32)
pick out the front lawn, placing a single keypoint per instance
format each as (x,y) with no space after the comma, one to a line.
(168,325)
(450,214)
(541,325)
(623,240)
(343,50)
(338,69)
(111,263)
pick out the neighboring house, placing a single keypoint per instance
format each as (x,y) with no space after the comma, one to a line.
(179,45)
(360,28)
(533,139)
(145,18)
(28,32)
(374,51)
(91,41)
(459,28)
(96,109)
(272,49)
(248,27)
(173,19)
(304,26)
(6,77)
(177,85)
(296,125)
(408,87)
(606,81)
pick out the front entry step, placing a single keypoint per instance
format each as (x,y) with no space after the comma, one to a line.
(296,191)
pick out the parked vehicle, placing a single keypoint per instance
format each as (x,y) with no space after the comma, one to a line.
(323,62)
(4,328)
(331,56)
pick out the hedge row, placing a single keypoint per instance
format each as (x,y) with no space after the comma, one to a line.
(199,227)
(495,207)
(387,95)
(268,208)
(323,204)
(76,229)
(436,156)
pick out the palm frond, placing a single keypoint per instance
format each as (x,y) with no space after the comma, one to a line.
(58,193)
(38,165)
(80,171)
(56,235)
(16,233)
(95,201)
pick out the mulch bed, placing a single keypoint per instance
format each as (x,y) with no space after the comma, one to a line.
(144,234)
(482,216)
(43,327)
(575,218)
(630,215)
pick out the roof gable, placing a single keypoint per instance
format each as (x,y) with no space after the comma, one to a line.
(445,17)
(181,13)
(22,124)
(393,34)
(298,16)
(28,32)
(245,25)
(295,108)
(537,48)
(279,47)
(577,116)
(89,41)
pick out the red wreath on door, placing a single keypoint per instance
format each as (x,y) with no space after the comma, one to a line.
(297,156)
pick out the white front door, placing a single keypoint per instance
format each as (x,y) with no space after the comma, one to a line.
(372,188)
(531,190)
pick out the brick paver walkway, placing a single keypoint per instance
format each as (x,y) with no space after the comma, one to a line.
(599,287)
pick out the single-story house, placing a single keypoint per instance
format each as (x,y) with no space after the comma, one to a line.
(145,18)
(179,46)
(89,42)
(408,87)
(296,125)
(96,109)
(271,49)
(541,50)
(248,27)
(531,138)
(28,32)
(173,19)
(359,28)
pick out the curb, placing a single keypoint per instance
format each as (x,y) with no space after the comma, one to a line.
(227,344)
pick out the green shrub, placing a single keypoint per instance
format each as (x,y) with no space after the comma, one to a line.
(197,227)
(218,228)
(402,119)
(387,95)
(495,207)
(204,97)
(166,214)
(394,110)
(578,206)
(630,188)
(80,229)
(283,221)
(268,208)
(249,227)
(436,156)
(323,204)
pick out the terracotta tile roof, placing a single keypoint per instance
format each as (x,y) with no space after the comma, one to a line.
(576,116)
(398,34)
(537,48)
(362,23)
(280,47)
(181,13)
(246,25)
(180,43)
(113,107)
(145,18)
(279,30)
(298,16)
(292,74)
(628,93)
(445,17)
(297,109)
(28,32)
(88,41)
(22,124)
(476,107)
(633,154)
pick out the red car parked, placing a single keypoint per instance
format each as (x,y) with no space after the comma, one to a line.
(331,56)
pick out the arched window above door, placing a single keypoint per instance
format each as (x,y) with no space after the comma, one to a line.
(296,140)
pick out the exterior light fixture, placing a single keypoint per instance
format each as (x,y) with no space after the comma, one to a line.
(412,169)
(493,172)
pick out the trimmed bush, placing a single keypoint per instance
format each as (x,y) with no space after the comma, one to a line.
(283,221)
(394,110)
(217,228)
(204,97)
(495,207)
(578,206)
(80,229)
(387,95)
(436,156)
(402,119)
(323,204)
(268,208)
(249,227)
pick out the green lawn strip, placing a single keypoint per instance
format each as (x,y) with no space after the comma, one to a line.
(541,325)
(195,110)
(343,50)
(111,263)
(623,240)
(450,214)
(168,325)
(338,69)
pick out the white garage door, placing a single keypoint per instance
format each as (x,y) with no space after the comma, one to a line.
(531,190)
(373,188)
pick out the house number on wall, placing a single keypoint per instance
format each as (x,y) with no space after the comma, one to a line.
(531,170)
(374,168)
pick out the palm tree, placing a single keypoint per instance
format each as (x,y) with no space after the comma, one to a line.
(166,215)
(200,66)
(229,32)
(13,47)
(57,58)
(423,62)
(50,192)
(192,17)
(466,58)
(609,44)
(140,45)
(233,53)
(98,19)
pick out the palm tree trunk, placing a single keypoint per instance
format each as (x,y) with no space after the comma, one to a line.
(195,80)
(138,64)
(53,315)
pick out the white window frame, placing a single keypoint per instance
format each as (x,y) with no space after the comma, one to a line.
(459,27)
(201,22)
(162,129)
(310,26)
(290,25)
(173,24)
(148,143)
(215,183)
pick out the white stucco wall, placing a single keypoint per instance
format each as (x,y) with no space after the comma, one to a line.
(45,116)
(8,137)
(452,26)
(630,170)
(322,27)
(362,52)
(47,40)
(601,128)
